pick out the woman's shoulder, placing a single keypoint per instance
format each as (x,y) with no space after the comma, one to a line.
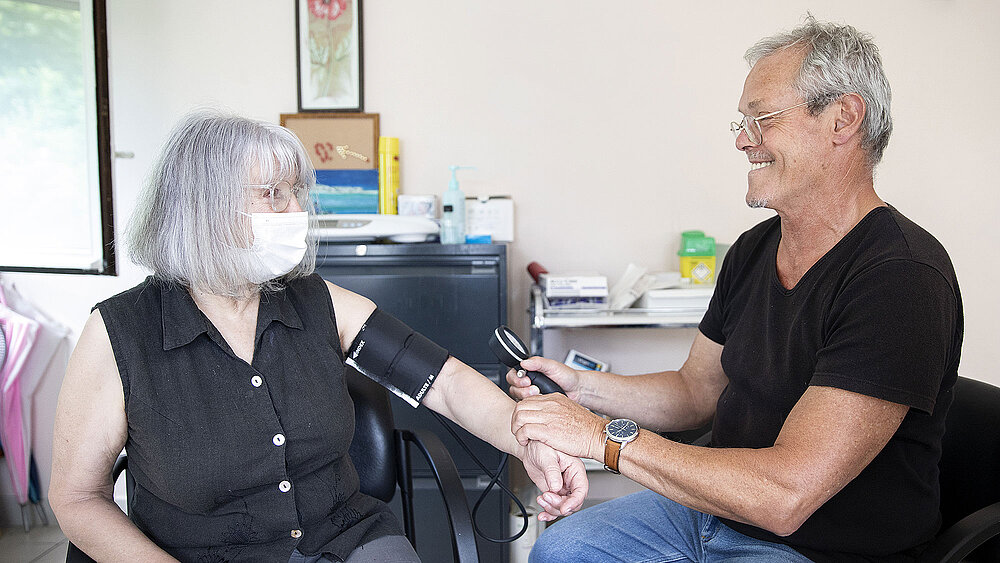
(311,285)
(145,289)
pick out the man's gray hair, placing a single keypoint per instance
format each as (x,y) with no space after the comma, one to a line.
(187,227)
(840,60)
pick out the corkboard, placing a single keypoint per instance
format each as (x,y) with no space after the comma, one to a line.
(337,141)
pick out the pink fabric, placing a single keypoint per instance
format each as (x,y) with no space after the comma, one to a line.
(48,338)
(20,332)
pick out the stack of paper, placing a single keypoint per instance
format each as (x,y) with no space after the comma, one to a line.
(575,291)
(677,298)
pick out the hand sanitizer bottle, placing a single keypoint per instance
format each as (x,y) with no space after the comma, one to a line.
(453,211)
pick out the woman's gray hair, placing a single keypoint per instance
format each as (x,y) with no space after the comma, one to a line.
(840,60)
(187,227)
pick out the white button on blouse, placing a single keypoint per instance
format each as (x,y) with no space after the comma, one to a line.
(284,486)
(256,381)
(296,534)
(278,439)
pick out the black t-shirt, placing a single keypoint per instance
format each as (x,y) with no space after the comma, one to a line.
(880,314)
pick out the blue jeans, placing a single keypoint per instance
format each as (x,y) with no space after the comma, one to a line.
(646,527)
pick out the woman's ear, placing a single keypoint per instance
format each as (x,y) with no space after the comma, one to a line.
(850,114)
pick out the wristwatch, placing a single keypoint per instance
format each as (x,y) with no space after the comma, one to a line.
(619,432)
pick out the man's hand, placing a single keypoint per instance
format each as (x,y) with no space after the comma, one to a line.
(561,478)
(563,375)
(559,423)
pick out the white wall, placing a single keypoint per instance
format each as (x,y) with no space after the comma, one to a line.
(607,123)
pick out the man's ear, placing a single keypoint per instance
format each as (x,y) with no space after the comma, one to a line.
(848,116)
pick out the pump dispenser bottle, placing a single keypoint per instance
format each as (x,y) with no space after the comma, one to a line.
(453,210)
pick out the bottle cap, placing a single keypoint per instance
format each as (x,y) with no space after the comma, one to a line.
(453,184)
(696,245)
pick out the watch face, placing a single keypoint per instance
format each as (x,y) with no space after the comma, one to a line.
(622,429)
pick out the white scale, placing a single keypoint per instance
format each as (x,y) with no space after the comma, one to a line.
(373,227)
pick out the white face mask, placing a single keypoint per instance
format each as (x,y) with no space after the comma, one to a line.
(279,243)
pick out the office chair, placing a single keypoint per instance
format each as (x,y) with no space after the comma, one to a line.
(381,454)
(970,477)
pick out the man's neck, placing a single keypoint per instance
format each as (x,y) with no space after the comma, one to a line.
(810,229)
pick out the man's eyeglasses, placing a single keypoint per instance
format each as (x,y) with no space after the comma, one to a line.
(278,193)
(751,125)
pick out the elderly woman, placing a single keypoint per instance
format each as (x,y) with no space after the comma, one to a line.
(222,375)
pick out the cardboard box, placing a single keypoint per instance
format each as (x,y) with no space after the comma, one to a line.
(574,285)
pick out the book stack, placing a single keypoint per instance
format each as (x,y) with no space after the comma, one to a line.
(575,291)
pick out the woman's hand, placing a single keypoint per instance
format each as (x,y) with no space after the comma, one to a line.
(561,478)
(563,375)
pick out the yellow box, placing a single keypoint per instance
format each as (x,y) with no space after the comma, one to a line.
(699,269)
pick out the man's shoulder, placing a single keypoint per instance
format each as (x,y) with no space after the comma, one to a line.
(893,237)
(920,244)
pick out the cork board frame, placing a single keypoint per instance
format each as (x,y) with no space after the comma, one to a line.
(337,141)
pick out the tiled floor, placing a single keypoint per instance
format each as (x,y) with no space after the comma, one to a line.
(43,544)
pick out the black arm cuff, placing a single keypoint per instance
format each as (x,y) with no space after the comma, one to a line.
(396,357)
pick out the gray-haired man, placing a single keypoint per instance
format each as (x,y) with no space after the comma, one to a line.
(826,359)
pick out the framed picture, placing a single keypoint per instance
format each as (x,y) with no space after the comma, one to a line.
(337,141)
(343,148)
(328,53)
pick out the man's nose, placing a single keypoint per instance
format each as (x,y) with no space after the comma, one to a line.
(743,141)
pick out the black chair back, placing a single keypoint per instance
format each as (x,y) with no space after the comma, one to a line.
(373,448)
(970,457)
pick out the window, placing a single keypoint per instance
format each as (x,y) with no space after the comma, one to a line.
(55,161)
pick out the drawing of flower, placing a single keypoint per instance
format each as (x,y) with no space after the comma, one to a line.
(327,9)
(333,52)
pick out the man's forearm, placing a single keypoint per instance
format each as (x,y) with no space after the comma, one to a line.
(828,438)
(658,401)
(747,485)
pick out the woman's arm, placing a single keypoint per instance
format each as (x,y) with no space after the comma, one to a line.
(475,403)
(90,432)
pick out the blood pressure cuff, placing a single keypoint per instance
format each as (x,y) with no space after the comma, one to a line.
(396,357)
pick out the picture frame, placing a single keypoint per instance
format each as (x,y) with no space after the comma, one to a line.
(343,149)
(328,55)
(337,141)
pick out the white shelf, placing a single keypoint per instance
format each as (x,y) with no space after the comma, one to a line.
(670,318)
(675,317)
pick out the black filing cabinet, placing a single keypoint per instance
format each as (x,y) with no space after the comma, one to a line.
(454,294)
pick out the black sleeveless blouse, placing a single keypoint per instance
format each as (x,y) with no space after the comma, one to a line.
(238,462)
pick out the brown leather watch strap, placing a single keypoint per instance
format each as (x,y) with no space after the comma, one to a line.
(612,450)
